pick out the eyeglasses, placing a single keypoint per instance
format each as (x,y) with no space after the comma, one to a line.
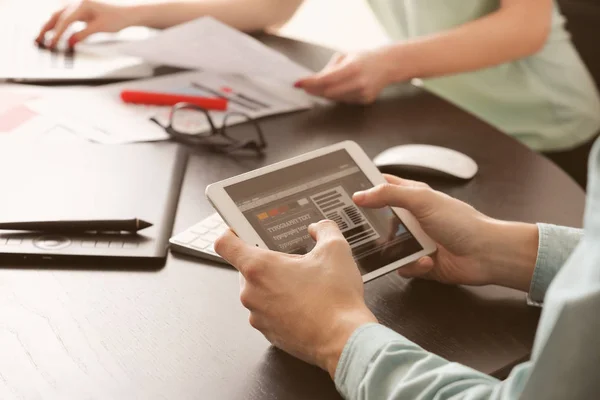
(194,126)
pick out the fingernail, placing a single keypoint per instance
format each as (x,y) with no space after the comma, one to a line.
(72,41)
(298,84)
(359,196)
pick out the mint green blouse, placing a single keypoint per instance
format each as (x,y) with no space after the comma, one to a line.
(548,100)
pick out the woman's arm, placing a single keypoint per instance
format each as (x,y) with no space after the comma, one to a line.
(245,15)
(519,28)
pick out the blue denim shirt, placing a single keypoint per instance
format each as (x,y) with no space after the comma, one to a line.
(378,363)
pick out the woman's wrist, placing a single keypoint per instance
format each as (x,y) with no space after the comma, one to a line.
(151,14)
(402,62)
(510,253)
(138,15)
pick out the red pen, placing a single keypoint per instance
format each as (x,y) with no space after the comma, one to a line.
(169,99)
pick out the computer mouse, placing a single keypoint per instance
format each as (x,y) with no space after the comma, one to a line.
(428,159)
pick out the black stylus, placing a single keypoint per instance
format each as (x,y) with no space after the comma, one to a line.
(80,226)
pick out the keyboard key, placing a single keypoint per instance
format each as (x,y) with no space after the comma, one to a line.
(116,245)
(14,242)
(102,244)
(211,223)
(185,237)
(198,229)
(220,229)
(88,243)
(3,241)
(130,245)
(211,249)
(200,244)
(210,236)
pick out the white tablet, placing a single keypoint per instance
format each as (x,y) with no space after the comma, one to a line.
(272,207)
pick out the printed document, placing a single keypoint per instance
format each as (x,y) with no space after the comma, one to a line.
(210,45)
(100,115)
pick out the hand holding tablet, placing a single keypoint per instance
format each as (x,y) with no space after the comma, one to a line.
(272,207)
(310,305)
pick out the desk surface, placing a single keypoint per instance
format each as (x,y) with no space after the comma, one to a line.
(181,332)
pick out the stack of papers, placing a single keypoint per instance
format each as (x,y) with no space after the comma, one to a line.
(99,115)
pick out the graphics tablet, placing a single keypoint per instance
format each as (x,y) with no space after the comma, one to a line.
(66,180)
(272,207)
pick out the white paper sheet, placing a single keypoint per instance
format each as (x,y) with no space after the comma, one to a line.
(18,121)
(208,44)
(98,114)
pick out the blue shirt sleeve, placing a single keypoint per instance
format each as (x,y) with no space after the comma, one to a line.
(378,363)
(556,243)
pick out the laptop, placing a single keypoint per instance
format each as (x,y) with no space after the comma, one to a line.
(24,61)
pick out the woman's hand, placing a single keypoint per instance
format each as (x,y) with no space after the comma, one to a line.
(473,249)
(306,305)
(351,78)
(99,16)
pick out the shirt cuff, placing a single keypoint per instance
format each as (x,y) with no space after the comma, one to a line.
(556,243)
(359,352)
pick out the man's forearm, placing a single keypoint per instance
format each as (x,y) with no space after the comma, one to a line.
(503,36)
(527,256)
(511,253)
(245,15)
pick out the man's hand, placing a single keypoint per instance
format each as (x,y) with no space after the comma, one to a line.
(306,305)
(351,78)
(473,249)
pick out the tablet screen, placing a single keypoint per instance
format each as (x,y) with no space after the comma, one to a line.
(280,205)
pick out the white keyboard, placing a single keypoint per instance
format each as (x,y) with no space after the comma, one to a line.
(199,240)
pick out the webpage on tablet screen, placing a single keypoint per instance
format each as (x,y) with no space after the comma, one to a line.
(282,204)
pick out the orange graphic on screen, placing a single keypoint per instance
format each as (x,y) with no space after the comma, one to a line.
(262,216)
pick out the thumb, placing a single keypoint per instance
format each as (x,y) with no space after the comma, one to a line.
(329,238)
(419,200)
(325,230)
(335,60)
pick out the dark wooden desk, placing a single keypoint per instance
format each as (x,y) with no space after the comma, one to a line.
(181,333)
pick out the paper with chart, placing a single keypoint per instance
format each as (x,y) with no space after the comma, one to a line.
(18,120)
(210,45)
(99,115)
